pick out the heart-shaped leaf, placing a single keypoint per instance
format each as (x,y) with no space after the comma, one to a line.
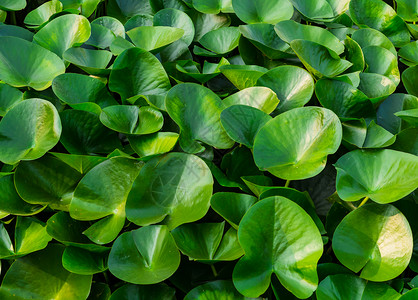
(294,86)
(176,187)
(243,76)
(63,32)
(322,10)
(297,150)
(41,15)
(93,62)
(376,240)
(153,144)
(215,290)
(409,79)
(154,37)
(291,251)
(264,11)
(28,131)
(36,69)
(197,111)
(384,175)
(144,256)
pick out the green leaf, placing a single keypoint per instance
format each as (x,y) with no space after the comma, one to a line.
(102,193)
(84,134)
(213,6)
(204,23)
(138,72)
(394,103)
(100,37)
(176,19)
(345,286)
(376,240)
(375,86)
(28,131)
(243,76)
(36,69)
(29,236)
(78,90)
(294,86)
(410,52)
(47,180)
(298,150)
(221,40)
(93,62)
(27,274)
(292,248)
(264,11)
(63,33)
(382,175)
(322,10)
(41,15)
(232,206)
(132,119)
(381,61)
(12,4)
(407,10)
(409,79)
(11,202)
(144,292)
(84,262)
(242,123)
(175,187)
(410,116)
(153,144)
(206,242)
(215,290)
(112,24)
(154,37)
(291,30)
(16,31)
(9,97)
(147,255)
(380,16)
(197,110)
(318,59)
(343,99)
(372,37)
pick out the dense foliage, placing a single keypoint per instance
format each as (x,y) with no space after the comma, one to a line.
(208,149)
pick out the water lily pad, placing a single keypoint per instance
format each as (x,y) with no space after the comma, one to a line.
(138,72)
(222,40)
(243,76)
(322,10)
(175,187)
(379,15)
(409,79)
(294,86)
(272,222)
(28,273)
(28,131)
(9,97)
(372,37)
(36,69)
(297,150)
(144,256)
(63,33)
(265,11)
(376,240)
(12,4)
(144,292)
(154,37)
(291,30)
(261,98)
(409,52)
(384,175)
(97,196)
(41,14)
(197,111)
(132,119)
(153,144)
(213,6)
(215,290)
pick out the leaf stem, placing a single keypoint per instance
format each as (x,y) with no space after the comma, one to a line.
(214,270)
(13,17)
(287,183)
(363,202)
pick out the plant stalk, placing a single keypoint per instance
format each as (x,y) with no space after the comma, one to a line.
(363,202)
(214,270)
(287,183)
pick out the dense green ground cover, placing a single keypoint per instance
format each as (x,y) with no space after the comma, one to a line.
(208,149)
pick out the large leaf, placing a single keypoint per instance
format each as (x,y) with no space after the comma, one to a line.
(318,59)
(36,69)
(292,246)
(294,86)
(28,131)
(243,76)
(258,97)
(137,72)
(213,6)
(175,187)
(297,150)
(9,97)
(144,256)
(350,287)
(93,62)
(153,144)
(379,15)
(322,10)
(102,194)
(291,30)
(154,37)
(221,40)
(197,111)
(409,79)
(27,278)
(262,11)
(63,32)
(215,290)
(376,240)
(144,292)
(382,175)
